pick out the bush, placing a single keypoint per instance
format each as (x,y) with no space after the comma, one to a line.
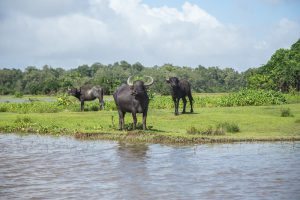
(64,100)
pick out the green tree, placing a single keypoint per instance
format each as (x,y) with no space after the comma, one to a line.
(282,72)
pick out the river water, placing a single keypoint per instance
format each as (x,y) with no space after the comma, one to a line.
(43,167)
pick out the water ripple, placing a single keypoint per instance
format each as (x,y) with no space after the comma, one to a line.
(42,167)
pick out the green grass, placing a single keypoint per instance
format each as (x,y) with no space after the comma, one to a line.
(255,123)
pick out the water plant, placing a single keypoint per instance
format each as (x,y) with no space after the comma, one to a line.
(248,97)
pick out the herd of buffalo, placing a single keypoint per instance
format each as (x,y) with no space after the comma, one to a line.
(133,98)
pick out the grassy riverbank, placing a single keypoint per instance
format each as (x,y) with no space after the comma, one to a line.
(207,124)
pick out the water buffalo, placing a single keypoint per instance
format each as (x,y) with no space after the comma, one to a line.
(132,98)
(88,93)
(180,89)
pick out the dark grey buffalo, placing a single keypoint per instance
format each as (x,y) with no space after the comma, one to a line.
(133,98)
(179,90)
(88,93)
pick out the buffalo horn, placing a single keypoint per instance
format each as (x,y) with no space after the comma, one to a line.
(149,83)
(129,82)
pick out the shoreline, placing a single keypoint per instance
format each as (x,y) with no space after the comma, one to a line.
(144,137)
(207,125)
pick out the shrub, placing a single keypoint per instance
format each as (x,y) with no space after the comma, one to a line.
(63,100)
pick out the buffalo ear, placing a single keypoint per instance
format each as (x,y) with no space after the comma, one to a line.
(168,81)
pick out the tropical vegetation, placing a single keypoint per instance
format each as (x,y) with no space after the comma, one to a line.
(281,73)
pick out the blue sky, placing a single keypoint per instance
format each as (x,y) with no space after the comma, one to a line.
(249,12)
(68,33)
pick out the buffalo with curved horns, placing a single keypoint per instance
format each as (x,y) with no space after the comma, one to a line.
(179,90)
(133,98)
(88,93)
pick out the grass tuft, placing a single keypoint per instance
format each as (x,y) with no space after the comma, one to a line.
(229,127)
(94,107)
(25,119)
(205,131)
(3,109)
(286,112)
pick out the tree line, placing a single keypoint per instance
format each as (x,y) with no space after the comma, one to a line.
(282,72)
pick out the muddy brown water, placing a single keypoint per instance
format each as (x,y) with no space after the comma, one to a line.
(43,167)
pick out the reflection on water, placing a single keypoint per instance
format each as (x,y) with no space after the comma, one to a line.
(63,168)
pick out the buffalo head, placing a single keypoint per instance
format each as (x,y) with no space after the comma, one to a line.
(173,81)
(73,91)
(138,87)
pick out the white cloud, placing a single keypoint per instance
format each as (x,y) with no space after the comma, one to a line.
(109,31)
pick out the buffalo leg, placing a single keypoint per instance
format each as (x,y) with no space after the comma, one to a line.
(82,105)
(184,104)
(144,120)
(176,103)
(191,102)
(101,102)
(134,120)
(121,120)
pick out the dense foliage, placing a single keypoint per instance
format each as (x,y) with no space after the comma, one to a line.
(49,80)
(282,72)
(252,98)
